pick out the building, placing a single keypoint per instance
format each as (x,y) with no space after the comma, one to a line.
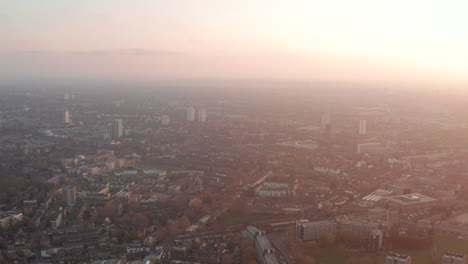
(358,227)
(165,120)
(9,219)
(274,189)
(313,230)
(362,127)
(115,130)
(56,220)
(69,193)
(265,251)
(374,243)
(411,202)
(326,120)
(118,128)
(326,126)
(370,147)
(175,188)
(190,114)
(394,258)
(454,258)
(250,232)
(66,116)
(201,115)
(377,196)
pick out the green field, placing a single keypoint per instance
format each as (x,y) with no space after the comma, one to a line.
(332,257)
(341,256)
(441,245)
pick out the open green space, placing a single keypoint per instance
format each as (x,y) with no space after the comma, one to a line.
(341,256)
(440,245)
(330,256)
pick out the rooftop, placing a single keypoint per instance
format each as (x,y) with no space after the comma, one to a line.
(412,198)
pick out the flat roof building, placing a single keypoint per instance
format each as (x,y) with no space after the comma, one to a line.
(358,227)
(313,230)
(394,258)
(9,218)
(454,258)
(411,202)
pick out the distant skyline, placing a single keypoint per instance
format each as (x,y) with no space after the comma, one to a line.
(390,42)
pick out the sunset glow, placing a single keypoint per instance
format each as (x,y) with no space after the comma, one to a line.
(364,40)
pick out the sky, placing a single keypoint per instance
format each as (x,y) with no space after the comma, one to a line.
(376,41)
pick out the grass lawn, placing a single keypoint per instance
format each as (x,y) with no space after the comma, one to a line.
(340,256)
(444,244)
(441,245)
(332,256)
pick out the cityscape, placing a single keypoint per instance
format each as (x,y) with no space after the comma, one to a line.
(233,132)
(103,177)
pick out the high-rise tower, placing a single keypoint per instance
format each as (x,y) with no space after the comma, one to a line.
(201,115)
(190,114)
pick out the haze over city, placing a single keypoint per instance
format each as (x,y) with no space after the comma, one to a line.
(233,132)
(416,43)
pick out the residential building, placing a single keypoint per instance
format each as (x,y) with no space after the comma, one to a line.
(66,116)
(411,202)
(117,128)
(374,243)
(313,230)
(56,220)
(370,147)
(454,258)
(165,120)
(362,127)
(190,114)
(9,219)
(201,115)
(70,195)
(394,258)
(358,227)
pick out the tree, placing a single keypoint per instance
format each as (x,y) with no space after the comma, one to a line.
(247,252)
(160,234)
(140,219)
(227,259)
(108,210)
(134,204)
(184,222)
(174,230)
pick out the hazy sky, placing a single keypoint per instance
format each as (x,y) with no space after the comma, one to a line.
(358,40)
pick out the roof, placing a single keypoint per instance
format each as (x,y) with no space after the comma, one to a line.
(263,243)
(326,222)
(412,198)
